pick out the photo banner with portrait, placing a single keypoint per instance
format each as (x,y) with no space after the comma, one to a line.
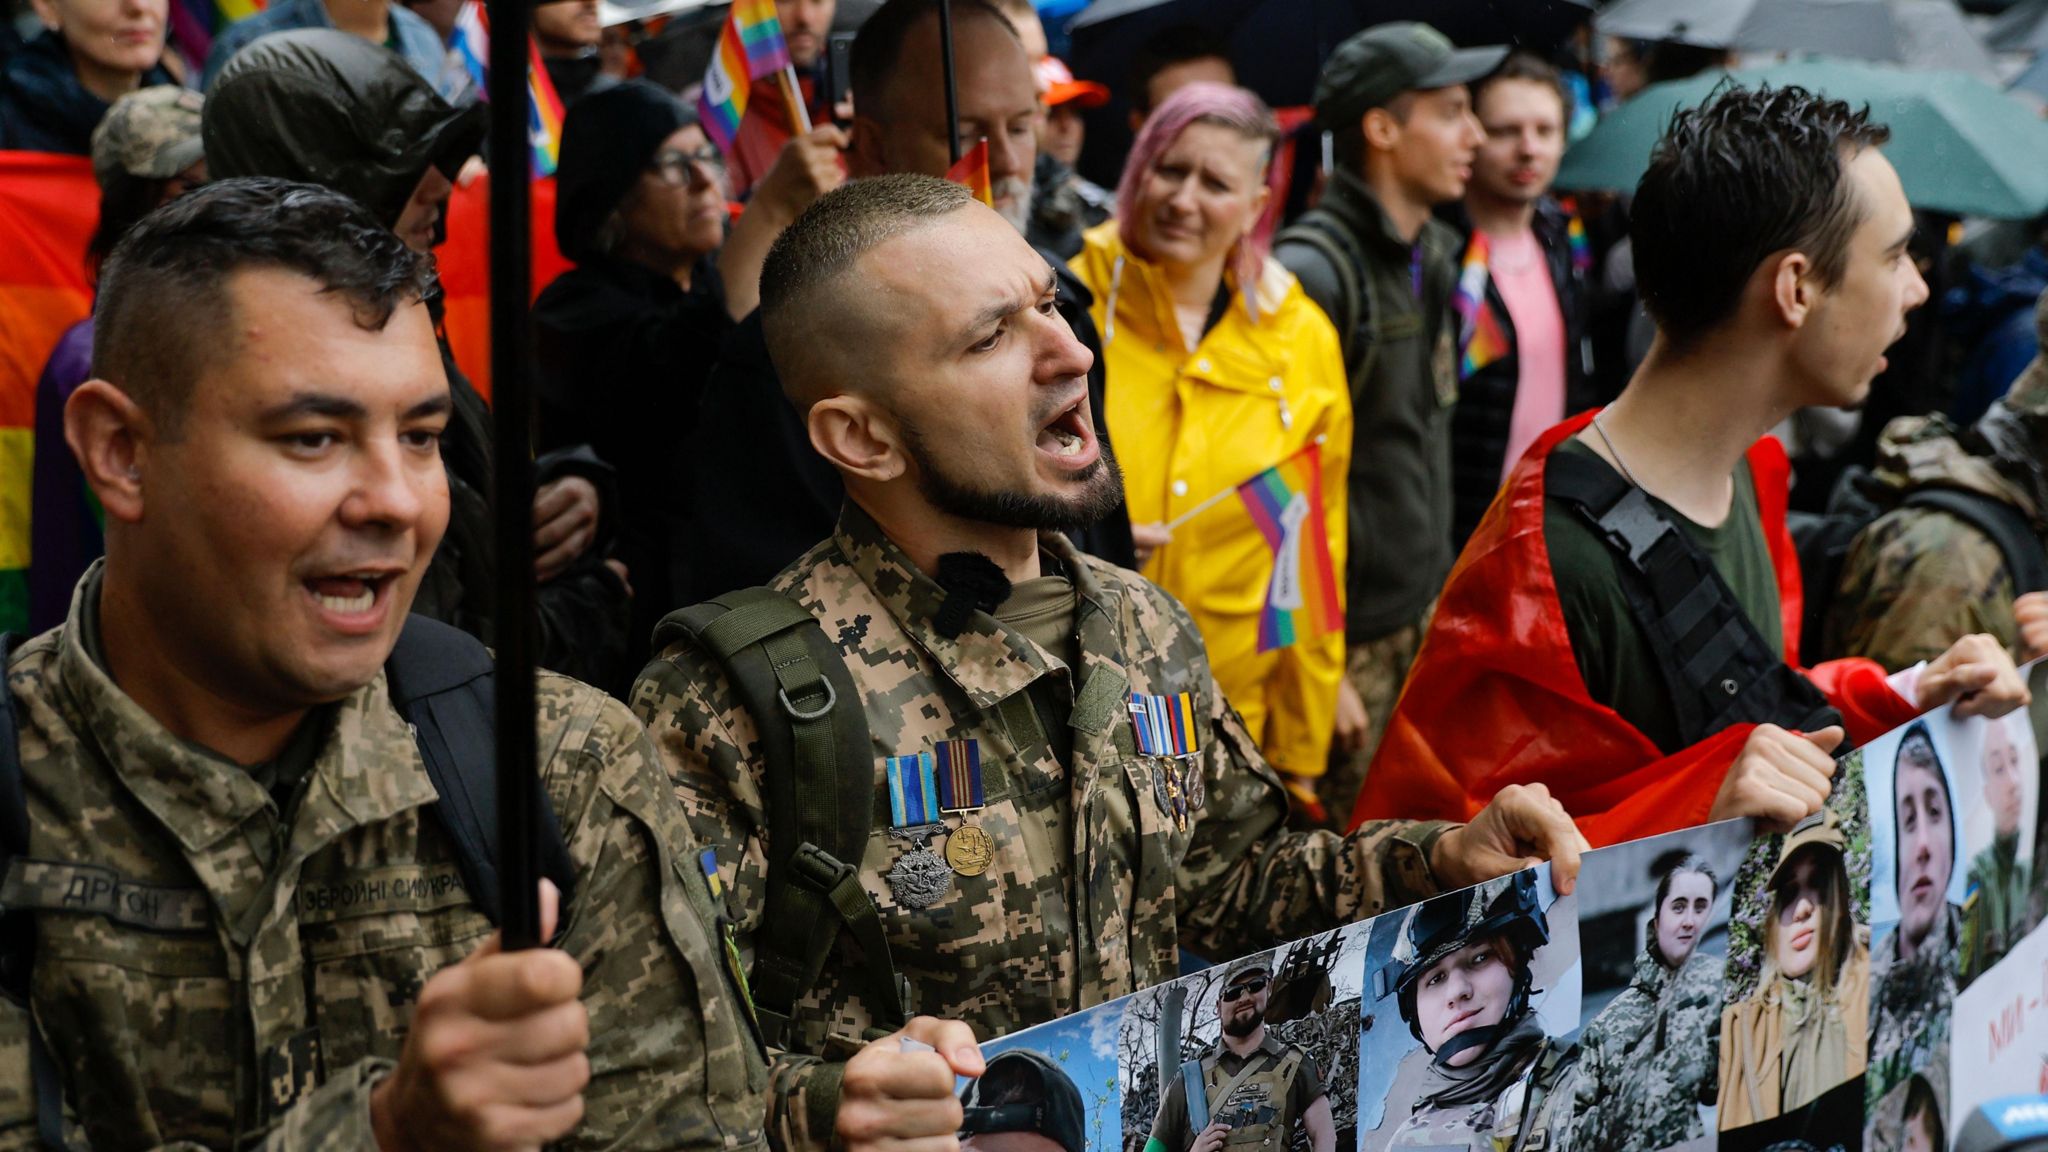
(1875,977)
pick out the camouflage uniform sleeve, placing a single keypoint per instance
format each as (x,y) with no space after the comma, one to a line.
(1251,882)
(673,1055)
(1916,582)
(1586,1092)
(709,748)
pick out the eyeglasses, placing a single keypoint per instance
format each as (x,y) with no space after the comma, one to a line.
(1249,987)
(680,169)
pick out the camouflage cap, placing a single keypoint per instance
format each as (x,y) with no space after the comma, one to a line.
(1822,828)
(151,134)
(1022,1091)
(1384,61)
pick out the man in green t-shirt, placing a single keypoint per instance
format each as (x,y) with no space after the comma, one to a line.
(1618,626)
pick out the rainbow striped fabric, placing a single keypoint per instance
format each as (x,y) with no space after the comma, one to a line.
(1575,238)
(1481,339)
(1286,502)
(472,43)
(972,170)
(750,47)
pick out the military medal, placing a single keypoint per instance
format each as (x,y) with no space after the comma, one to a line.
(1165,728)
(969,849)
(919,879)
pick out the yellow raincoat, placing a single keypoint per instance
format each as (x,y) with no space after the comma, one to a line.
(1188,425)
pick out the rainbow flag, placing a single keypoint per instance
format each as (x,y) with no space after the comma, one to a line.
(1481,339)
(750,47)
(543,114)
(196,22)
(1575,239)
(972,170)
(472,42)
(1286,502)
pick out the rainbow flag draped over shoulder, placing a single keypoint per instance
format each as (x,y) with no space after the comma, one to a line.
(1481,340)
(1286,502)
(750,47)
(972,170)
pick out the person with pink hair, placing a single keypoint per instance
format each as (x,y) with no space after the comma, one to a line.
(1219,368)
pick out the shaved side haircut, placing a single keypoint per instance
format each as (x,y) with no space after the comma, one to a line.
(878,48)
(175,265)
(810,308)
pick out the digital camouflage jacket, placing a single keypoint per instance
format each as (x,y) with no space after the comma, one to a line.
(1649,1059)
(1094,883)
(212,974)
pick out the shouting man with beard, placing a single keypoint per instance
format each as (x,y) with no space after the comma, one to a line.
(1044,719)
(1257,1086)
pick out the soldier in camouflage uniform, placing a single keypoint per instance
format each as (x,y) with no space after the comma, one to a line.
(1647,1062)
(1918,578)
(1259,1087)
(1913,970)
(958,416)
(1463,969)
(1995,902)
(250,927)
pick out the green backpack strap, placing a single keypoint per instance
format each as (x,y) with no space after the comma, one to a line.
(1334,243)
(819,786)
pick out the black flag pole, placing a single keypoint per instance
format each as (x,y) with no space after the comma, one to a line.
(952,92)
(512,426)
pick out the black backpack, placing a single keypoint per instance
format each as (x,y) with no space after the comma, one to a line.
(441,681)
(1858,500)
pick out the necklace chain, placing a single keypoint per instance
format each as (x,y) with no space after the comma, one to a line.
(1612,451)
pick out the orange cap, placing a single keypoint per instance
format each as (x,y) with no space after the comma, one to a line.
(1058,86)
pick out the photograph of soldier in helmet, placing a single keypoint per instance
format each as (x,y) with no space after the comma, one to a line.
(1998,835)
(1486,983)
(1653,931)
(1795,1033)
(1256,1055)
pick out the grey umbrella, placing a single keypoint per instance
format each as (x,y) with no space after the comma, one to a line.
(1914,33)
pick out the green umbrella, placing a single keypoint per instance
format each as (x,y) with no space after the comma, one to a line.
(1960,145)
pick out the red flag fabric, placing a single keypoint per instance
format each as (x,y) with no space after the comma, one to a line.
(464,261)
(1495,697)
(49,206)
(972,170)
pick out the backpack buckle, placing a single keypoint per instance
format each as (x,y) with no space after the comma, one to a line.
(819,869)
(796,713)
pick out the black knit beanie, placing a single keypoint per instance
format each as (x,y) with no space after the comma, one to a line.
(609,137)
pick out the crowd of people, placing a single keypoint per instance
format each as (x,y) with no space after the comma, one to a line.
(916,673)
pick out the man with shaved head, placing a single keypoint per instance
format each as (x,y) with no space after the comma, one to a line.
(1097,802)
(761,494)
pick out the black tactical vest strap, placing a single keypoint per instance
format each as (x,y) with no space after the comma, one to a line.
(1717,668)
(820,783)
(442,682)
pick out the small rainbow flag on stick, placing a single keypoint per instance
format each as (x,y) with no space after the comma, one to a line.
(750,47)
(1286,502)
(471,42)
(972,170)
(1481,340)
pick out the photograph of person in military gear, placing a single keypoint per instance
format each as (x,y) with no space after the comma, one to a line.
(245,900)
(1022,1103)
(1258,1091)
(1914,961)
(1792,1049)
(1995,893)
(1653,918)
(1498,1076)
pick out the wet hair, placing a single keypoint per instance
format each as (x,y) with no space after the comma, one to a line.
(808,260)
(172,269)
(1836,934)
(1748,173)
(1174,44)
(1916,750)
(1689,864)
(878,48)
(1532,69)
(1924,1108)
(1225,106)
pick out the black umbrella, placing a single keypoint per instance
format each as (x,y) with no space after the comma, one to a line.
(1915,33)
(512,429)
